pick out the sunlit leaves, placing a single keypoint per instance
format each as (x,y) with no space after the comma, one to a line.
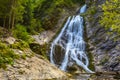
(111,15)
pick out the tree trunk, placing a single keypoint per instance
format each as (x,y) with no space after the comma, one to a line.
(4,22)
(13,20)
(9,24)
(12,15)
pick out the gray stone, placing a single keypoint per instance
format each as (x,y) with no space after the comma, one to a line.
(10,40)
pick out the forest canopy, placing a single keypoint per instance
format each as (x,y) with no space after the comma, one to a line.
(32,14)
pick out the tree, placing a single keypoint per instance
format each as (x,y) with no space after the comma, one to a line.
(111,15)
(11,12)
(16,12)
(4,12)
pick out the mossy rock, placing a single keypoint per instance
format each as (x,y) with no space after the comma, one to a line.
(72,69)
(39,49)
(59,54)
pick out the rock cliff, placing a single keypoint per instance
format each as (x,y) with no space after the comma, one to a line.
(104,47)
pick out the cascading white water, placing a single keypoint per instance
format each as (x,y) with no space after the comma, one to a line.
(69,46)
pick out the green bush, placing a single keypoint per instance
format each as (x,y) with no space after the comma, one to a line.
(35,27)
(20,45)
(20,32)
(91,11)
(2,46)
(7,56)
(111,16)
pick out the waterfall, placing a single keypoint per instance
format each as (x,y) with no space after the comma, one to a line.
(69,45)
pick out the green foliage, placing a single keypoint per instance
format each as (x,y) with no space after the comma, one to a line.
(39,49)
(48,12)
(20,32)
(20,45)
(4,8)
(4,11)
(11,12)
(23,56)
(35,15)
(43,50)
(111,15)
(7,56)
(19,9)
(34,27)
(92,10)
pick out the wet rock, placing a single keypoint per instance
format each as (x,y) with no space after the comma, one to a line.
(73,69)
(60,55)
(35,47)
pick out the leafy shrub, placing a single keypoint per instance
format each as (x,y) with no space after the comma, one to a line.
(20,45)
(2,46)
(92,10)
(7,56)
(111,15)
(35,27)
(20,32)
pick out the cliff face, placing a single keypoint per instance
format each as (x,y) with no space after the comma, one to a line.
(103,46)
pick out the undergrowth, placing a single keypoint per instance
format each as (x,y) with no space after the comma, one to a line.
(7,56)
